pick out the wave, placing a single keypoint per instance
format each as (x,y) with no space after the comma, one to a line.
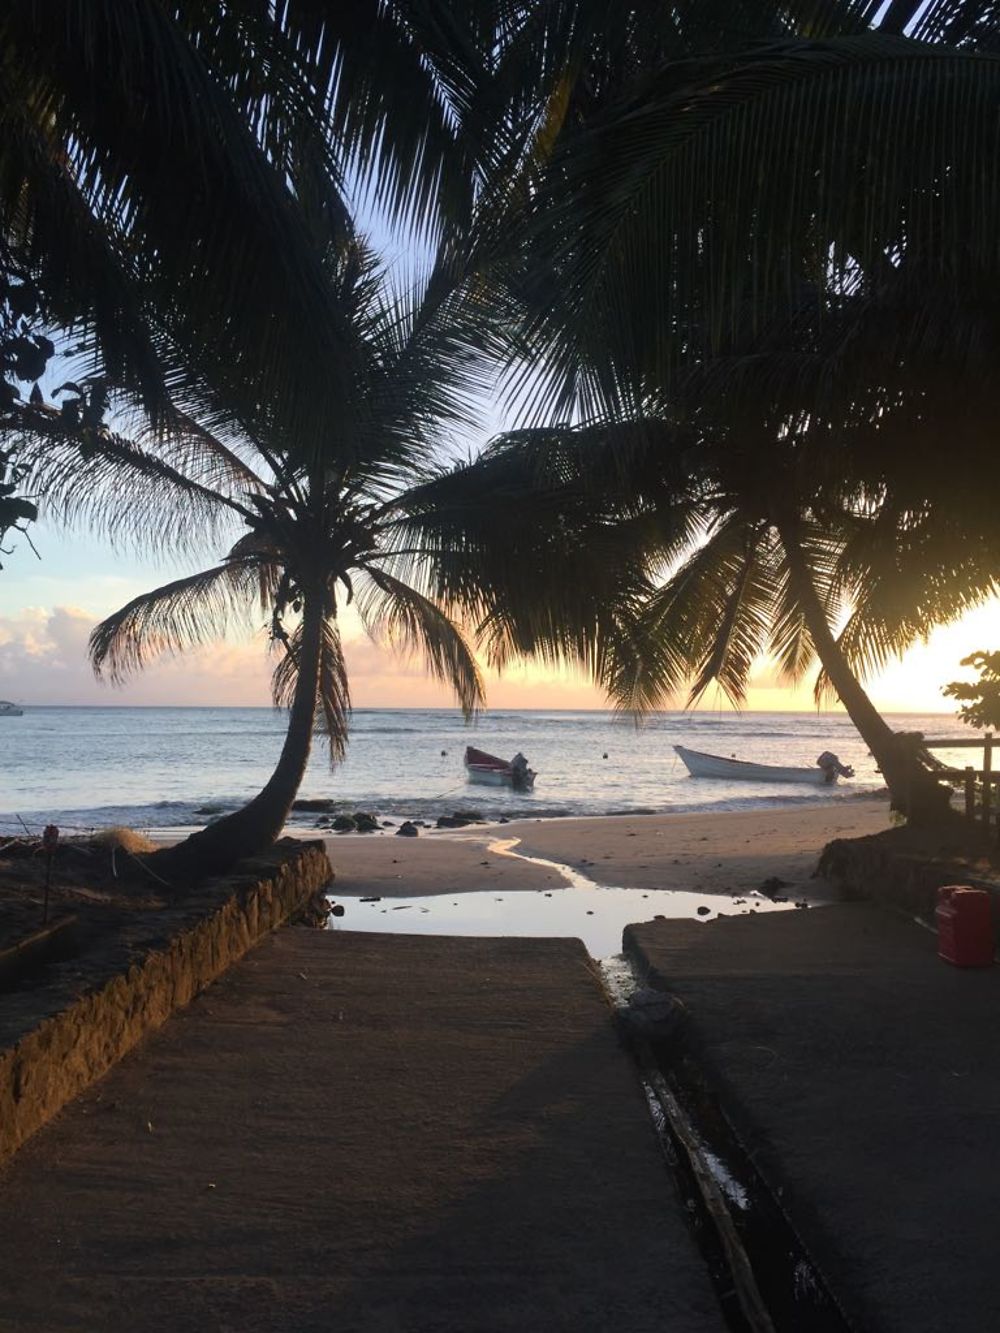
(186,814)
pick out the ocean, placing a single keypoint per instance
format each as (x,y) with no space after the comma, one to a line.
(156,768)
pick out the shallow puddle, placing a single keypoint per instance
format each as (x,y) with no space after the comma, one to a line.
(583,910)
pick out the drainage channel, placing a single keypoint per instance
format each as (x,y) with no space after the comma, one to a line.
(764,1278)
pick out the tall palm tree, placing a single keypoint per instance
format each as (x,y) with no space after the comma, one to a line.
(772,223)
(733,558)
(319,524)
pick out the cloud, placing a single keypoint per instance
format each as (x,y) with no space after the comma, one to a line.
(43,660)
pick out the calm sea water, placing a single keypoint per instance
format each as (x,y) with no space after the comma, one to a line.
(161,767)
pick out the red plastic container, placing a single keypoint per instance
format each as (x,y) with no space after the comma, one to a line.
(965,926)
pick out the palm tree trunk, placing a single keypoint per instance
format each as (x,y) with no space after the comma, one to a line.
(912,790)
(256,827)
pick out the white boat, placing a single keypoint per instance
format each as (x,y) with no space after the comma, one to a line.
(8,709)
(490,771)
(828,769)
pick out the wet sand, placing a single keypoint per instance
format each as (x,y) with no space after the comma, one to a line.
(729,852)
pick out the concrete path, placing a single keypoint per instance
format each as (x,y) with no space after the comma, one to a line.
(357,1132)
(863,1075)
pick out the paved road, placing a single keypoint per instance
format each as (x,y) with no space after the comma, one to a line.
(863,1075)
(353,1132)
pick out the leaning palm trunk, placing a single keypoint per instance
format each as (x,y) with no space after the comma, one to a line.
(253,829)
(912,790)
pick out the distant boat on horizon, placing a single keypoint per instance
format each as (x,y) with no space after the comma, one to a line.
(7,709)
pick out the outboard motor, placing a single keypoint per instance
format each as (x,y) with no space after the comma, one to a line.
(833,768)
(522,777)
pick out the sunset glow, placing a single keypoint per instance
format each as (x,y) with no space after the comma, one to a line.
(43,661)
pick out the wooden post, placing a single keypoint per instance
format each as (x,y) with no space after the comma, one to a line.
(970,794)
(987,777)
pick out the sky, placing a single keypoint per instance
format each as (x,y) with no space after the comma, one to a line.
(48,607)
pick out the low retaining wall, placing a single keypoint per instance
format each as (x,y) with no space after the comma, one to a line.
(58,1038)
(876,868)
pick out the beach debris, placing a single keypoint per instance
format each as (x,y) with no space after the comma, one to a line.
(50,841)
(484,863)
(403,907)
(703,911)
(407,829)
(210,1185)
(590,911)
(343,824)
(125,838)
(303,976)
(315,804)
(604,755)
(770,886)
(371,900)
(315,912)
(459,819)
(503,820)
(388,823)
(653,1013)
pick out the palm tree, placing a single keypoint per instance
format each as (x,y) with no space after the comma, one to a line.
(320,524)
(822,304)
(752,561)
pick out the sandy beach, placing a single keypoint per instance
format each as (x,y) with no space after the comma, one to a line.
(705,852)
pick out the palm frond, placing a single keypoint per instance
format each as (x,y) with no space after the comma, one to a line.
(906,573)
(180,615)
(411,621)
(168,159)
(333,694)
(110,485)
(658,231)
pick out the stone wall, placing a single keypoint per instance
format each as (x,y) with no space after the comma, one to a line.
(59,1037)
(883,869)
